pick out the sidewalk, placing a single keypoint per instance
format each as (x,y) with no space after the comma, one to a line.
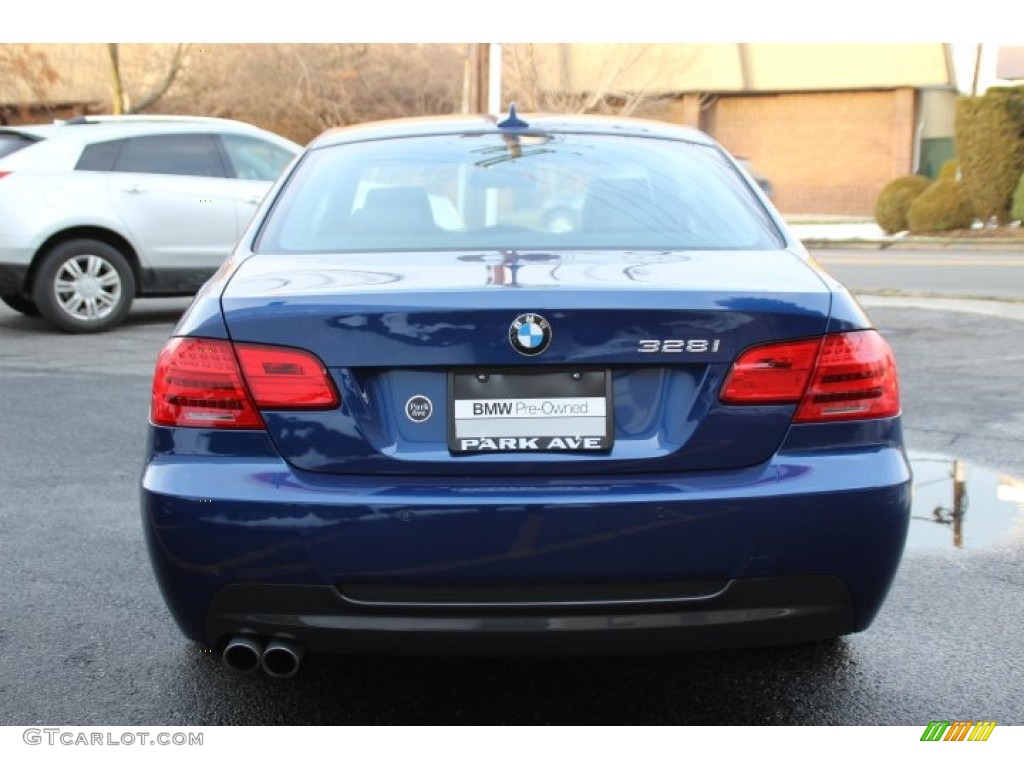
(820,231)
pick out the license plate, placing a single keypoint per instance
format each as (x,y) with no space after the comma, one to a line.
(559,411)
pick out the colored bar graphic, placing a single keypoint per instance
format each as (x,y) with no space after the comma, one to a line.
(935,730)
(982,730)
(958,730)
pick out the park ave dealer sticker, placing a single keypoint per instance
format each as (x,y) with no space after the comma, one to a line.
(565,411)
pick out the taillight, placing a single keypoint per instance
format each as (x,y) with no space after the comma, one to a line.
(839,377)
(4,173)
(200,383)
(284,378)
(855,378)
(771,373)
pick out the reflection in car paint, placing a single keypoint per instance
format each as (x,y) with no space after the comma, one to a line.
(963,504)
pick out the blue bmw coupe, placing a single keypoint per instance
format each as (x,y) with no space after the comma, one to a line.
(409,416)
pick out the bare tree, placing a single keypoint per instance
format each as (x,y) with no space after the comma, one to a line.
(121,102)
(345,84)
(300,90)
(26,77)
(539,79)
(117,83)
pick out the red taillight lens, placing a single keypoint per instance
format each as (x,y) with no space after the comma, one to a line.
(771,373)
(200,383)
(839,377)
(855,379)
(279,377)
(4,173)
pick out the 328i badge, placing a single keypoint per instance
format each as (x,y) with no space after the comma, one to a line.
(425,420)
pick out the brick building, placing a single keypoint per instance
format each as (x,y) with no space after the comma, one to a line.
(828,124)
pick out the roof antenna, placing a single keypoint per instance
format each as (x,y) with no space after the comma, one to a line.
(512,122)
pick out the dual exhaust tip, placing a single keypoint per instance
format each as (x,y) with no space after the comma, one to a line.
(278,657)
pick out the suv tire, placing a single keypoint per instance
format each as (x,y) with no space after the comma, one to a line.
(19,303)
(84,286)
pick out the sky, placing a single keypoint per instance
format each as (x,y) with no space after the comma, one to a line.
(964,58)
(529,21)
(507,21)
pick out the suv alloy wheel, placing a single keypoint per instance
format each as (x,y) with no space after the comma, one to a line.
(84,286)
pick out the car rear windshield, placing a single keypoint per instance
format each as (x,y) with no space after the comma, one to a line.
(12,142)
(525,192)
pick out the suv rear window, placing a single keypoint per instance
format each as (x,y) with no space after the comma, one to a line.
(12,142)
(536,192)
(256,159)
(99,157)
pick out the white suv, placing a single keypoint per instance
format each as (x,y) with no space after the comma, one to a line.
(96,211)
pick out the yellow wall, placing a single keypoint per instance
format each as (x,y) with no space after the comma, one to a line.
(725,67)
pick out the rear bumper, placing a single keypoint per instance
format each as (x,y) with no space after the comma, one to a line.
(802,547)
(745,613)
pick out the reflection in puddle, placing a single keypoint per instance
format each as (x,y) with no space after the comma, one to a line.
(962,504)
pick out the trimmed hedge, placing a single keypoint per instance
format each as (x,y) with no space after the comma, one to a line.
(940,208)
(1017,210)
(990,148)
(895,199)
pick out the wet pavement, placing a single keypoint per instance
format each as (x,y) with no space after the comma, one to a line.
(961,505)
(85,638)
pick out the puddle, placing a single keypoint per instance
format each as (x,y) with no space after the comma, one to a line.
(962,505)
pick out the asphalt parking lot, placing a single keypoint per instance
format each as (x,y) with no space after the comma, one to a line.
(85,638)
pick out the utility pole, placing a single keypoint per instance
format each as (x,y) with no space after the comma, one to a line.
(977,70)
(467,80)
(494,78)
(959,501)
(481,92)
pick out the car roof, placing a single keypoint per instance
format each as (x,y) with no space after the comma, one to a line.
(32,131)
(538,123)
(116,126)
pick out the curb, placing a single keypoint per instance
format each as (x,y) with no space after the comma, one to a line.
(917,244)
(1006,309)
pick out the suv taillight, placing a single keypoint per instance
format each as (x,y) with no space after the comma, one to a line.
(4,173)
(840,377)
(212,383)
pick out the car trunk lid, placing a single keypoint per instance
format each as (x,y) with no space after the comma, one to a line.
(405,335)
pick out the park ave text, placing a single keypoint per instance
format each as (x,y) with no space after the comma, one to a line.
(531,444)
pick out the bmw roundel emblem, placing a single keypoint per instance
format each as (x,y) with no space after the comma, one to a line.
(529,334)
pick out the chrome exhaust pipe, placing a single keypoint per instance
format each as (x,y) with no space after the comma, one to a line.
(243,652)
(281,658)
